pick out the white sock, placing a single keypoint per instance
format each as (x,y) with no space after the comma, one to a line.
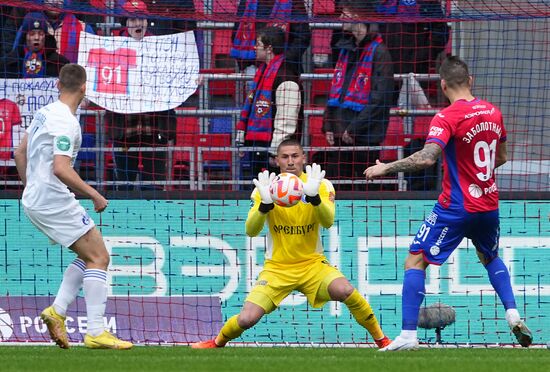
(95,293)
(409,335)
(70,286)
(512,316)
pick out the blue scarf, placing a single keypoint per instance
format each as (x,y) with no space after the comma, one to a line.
(245,38)
(400,7)
(358,94)
(257,114)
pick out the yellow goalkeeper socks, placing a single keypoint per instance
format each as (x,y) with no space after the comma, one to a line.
(362,312)
(229,331)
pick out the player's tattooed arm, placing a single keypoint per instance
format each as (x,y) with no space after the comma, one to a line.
(422,159)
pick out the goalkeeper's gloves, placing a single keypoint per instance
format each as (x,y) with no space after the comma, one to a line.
(262,183)
(314,178)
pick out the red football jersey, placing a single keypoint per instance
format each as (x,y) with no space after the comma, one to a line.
(469,134)
(9,117)
(112,69)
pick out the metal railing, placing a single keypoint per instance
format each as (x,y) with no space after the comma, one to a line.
(197,179)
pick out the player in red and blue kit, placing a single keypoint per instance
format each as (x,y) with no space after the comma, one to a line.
(471,135)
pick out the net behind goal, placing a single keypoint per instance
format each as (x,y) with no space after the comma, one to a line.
(159,140)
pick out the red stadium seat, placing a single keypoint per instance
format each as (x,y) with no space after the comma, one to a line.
(320,88)
(220,87)
(320,39)
(316,135)
(394,137)
(216,164)
(186,131)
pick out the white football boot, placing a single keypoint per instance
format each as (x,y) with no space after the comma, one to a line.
(402,344)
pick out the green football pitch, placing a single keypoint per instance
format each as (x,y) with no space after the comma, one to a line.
(280,359)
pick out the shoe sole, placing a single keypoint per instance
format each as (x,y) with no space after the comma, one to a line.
(523,335)
(400,348)
(111,347)
(193,346)
(57,332)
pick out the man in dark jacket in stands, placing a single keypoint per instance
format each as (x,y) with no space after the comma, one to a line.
(358,108)
(35,56)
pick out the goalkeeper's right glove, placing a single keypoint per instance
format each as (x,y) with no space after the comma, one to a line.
(262,183)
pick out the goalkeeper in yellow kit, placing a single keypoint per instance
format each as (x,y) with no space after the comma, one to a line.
(294,258)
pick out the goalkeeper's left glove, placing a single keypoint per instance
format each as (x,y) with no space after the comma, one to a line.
(314,178)
(262,183)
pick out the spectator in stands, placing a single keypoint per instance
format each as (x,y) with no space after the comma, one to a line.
(297,34)
(414,47)
(11,22)
(150,129)
(164,10)
(66,28)
(358,107)
(273,110)
(34,55)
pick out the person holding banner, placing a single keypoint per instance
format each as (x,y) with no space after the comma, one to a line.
(148,129)
(44,161)
(35,54)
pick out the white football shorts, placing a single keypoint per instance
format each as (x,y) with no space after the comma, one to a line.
(63,224)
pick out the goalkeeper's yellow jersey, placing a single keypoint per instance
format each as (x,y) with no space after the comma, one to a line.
(294,236)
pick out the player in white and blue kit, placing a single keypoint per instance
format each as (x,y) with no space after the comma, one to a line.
(44,161)
(471,135)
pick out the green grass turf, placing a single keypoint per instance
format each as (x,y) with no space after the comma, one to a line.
(280,359)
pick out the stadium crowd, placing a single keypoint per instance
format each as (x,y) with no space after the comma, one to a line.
(361,57)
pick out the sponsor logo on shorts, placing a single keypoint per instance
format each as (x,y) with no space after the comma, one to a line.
(432,218)
(331,196)
(63,143)
(434,250)
(85,219)
(261,282)
(442,236)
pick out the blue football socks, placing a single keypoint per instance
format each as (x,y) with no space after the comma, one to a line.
(500,280)
(413,295)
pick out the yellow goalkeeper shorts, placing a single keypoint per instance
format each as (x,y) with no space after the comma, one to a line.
(275,284)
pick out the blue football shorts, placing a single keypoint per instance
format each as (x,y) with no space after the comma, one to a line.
(443,230)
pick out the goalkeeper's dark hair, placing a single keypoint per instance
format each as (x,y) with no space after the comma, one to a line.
(275,37)
(455,72)
(290,142)
(71,77)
